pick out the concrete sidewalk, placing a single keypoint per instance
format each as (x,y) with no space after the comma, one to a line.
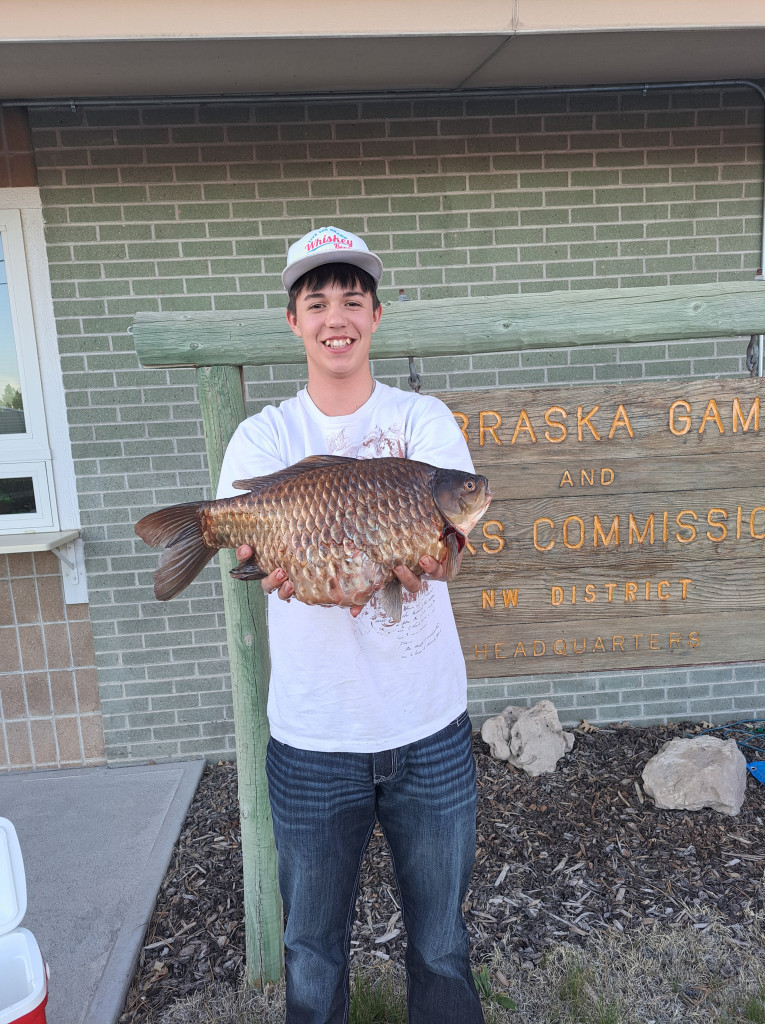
(96,843)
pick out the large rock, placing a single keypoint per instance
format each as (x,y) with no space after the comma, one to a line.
(702,772)
(529,738)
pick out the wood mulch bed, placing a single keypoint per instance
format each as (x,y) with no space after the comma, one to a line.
(579,849)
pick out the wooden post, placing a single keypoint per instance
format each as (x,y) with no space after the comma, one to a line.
(222,403)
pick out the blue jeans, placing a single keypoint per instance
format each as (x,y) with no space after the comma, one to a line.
(324,807)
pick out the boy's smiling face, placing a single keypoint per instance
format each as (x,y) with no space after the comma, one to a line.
(336,325)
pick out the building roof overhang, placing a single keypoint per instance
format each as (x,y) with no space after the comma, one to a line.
(186,48)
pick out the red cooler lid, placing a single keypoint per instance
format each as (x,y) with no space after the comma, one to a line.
(13,885)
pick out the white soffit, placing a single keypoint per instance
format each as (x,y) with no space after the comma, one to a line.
(584,58)
(202,67)
(35,70)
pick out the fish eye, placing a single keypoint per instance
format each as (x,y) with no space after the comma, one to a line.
(469,485)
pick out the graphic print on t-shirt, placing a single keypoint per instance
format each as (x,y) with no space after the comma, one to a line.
(378,443)
(416,631)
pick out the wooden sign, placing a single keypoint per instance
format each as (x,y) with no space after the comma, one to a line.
(627,528)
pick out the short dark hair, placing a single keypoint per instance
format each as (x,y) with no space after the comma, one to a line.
(344,275)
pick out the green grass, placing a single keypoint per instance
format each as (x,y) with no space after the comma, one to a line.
(662,975)
(754,1008)
(377,1001)
(583,1004)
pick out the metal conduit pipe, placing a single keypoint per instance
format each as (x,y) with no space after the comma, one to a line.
(510,93)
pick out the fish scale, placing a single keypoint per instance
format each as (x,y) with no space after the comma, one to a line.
(337,526)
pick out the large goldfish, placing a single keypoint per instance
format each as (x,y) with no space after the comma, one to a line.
(336,525)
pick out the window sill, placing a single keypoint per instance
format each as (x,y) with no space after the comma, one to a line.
(65,545)
(13,543)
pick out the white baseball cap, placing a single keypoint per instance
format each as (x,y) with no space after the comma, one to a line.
(329,245)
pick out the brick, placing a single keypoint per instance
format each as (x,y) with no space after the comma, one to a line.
(669,229)
(623,266)
(468,275)
(444,257)
(554,357)
(573,160)
(488,219)
(570,233)
(544,217)
(595,214)
(445,292)
(569,269)
(655,247)
(519,272)
(569,374)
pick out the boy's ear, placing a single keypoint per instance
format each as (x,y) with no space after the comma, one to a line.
(292,321)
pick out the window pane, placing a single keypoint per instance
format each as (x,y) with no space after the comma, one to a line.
(11,404)
(17,496)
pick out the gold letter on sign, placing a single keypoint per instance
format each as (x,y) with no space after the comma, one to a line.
(613,533)
(555,423)
(685,420)
(621,419)
(581,420)
(524,423)
(755,535)
(714,522)
(687,526)
(580,522)
(754,414)
(490,535)
(535,531)
(712,413)
(486,429)
(647,530)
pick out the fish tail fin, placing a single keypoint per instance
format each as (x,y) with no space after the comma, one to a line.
(179,530)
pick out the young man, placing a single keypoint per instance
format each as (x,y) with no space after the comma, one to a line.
(368,717)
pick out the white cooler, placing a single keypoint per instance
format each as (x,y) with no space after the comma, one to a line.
(23,972)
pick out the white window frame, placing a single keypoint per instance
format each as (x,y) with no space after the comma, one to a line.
(44,518)
(44,452)
(33,443)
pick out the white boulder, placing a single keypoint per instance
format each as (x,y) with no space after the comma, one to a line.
(529,738)
(690,774)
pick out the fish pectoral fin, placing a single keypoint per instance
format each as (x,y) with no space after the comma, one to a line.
(453,549)
(256,483)
(454,540)
(248,570)
(390,599)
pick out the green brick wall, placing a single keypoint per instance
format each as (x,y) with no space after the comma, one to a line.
(175,208)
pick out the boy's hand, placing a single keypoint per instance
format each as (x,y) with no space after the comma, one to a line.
(431,568)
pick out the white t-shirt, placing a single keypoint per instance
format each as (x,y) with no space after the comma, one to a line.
(365,684)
